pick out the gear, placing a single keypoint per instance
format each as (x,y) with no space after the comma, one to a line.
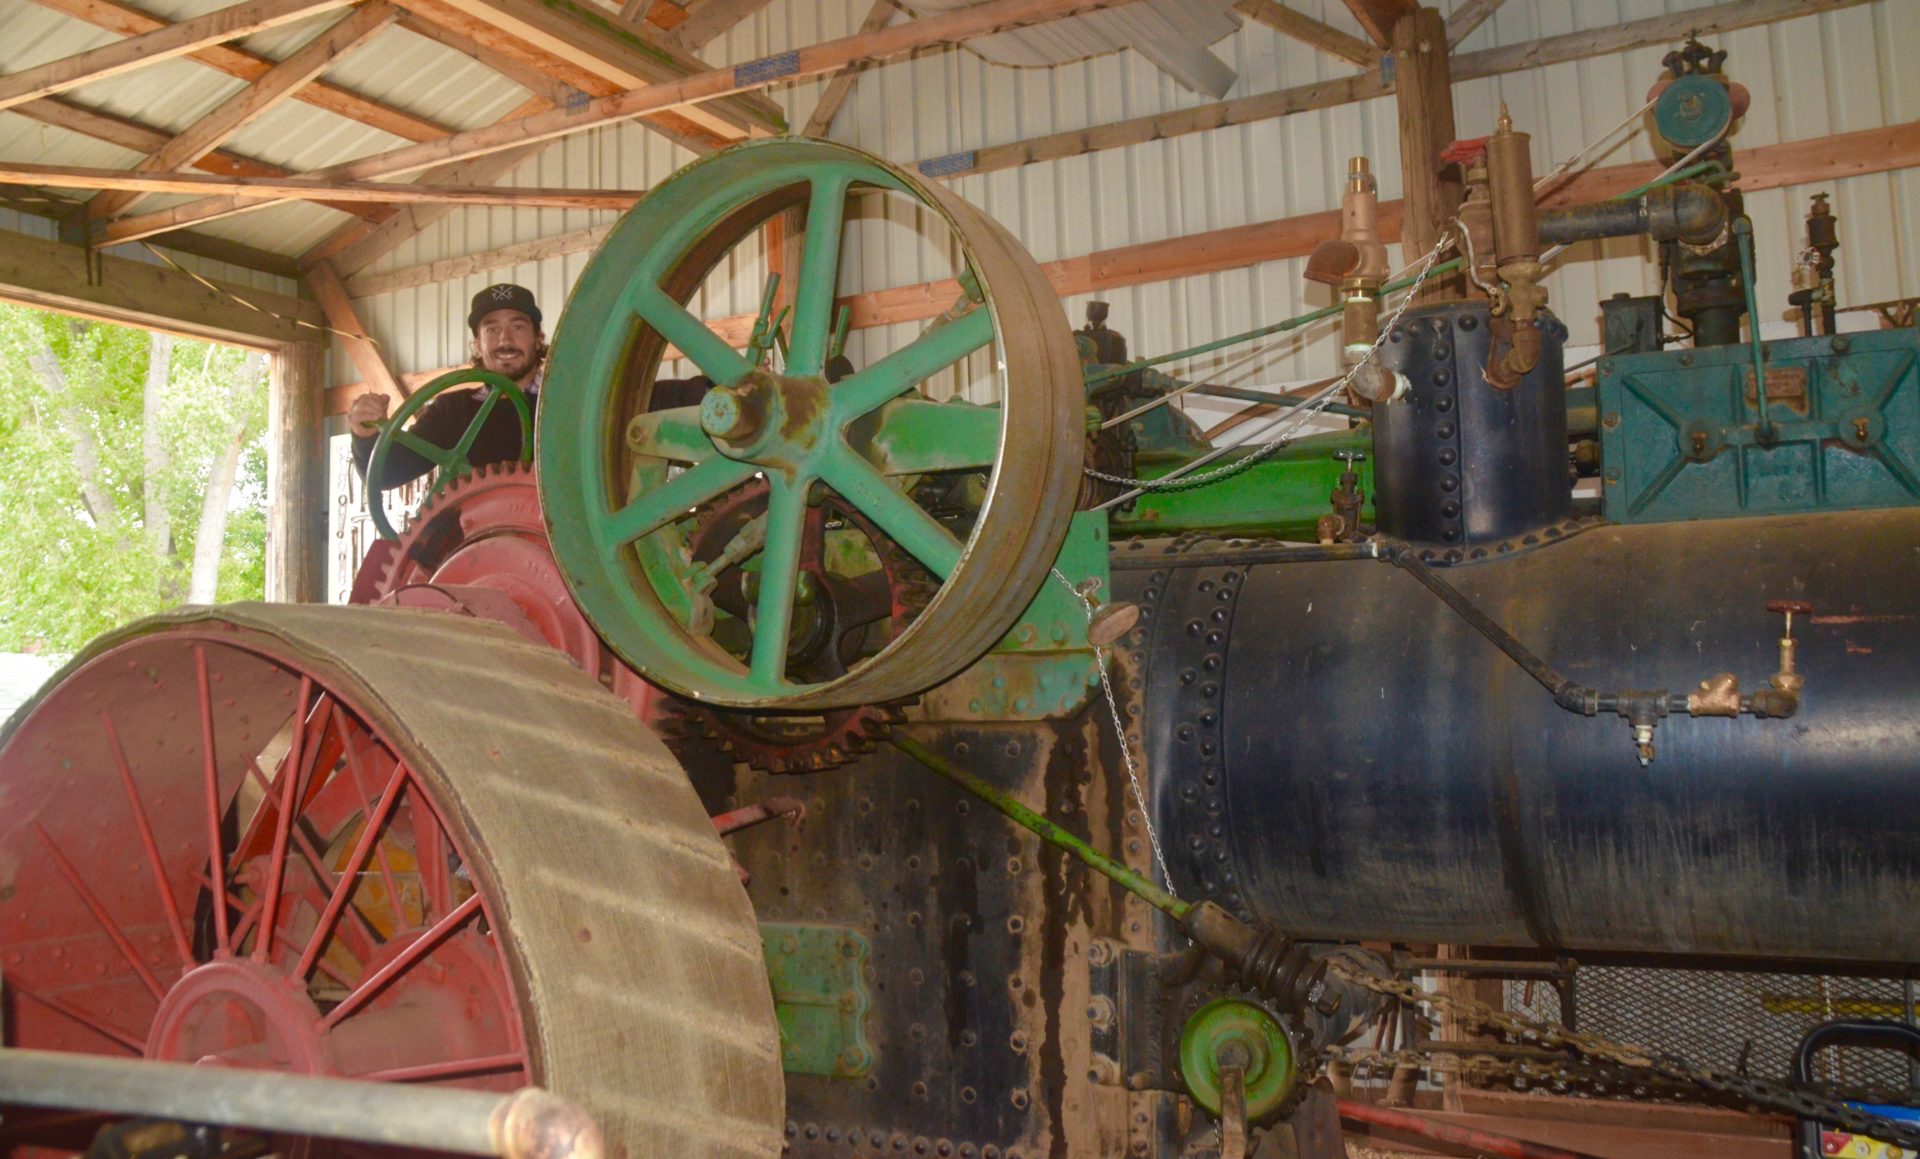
(833,628)
(496,499)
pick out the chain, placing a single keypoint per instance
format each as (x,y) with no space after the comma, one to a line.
(1774,1096)
(1120,737)
(1182,480)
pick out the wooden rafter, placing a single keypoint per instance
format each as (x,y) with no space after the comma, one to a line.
(550,84)
(1468,17)
(358,243)
(307,189)
(142,138)
(590,41)
(1549,50)
(830,56)
(345,322)
(251,103)
(1307,30)
(128,21)
(176,40)
(1377,17)
(1868,151)
(841,86)
(712,20)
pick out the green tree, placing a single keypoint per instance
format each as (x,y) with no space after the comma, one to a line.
(132,476)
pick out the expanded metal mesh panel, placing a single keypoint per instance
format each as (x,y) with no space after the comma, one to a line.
(1731,1020)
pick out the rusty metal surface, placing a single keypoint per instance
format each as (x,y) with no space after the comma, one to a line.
(633,952)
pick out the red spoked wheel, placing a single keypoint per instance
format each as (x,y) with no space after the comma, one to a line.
(441,855)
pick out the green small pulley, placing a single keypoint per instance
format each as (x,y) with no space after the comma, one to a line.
(1693,110)
(1230,1031)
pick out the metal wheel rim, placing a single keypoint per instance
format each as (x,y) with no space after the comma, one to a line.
(680,224)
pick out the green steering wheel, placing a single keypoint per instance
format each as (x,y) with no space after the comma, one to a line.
(453,461)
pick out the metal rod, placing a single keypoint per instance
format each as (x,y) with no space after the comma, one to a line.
(527,1124)
(1743,234)
(1242,394)
(1485,1142)
(1047,831)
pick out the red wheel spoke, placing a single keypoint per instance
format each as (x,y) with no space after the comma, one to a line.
(343,888)
(366,810)
(216,856)
(89,1021)
(430,851)
(100,912)
(147,842)
(446,1070)
(291,767)
(316,867)
(373,983)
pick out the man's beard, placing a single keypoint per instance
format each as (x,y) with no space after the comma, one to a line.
(513,364)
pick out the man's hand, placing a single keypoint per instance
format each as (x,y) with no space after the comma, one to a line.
(368,409)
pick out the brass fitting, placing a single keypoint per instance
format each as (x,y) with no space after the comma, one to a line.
(1788,679)
(1717,696)
(1516,241)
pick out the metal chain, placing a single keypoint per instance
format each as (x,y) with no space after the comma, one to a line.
(1181,480)
(1776,1096)
(1120,738)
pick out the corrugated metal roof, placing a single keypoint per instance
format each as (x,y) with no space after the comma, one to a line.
(1174,34)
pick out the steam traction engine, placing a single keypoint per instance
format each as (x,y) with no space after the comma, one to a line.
(1199,731)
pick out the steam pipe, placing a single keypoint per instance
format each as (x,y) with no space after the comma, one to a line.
(1688,213)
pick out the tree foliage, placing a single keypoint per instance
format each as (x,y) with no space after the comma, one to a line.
(99,522)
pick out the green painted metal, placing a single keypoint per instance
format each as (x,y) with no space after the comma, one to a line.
(1047,831)
(1680,434)
(1693,110)
(1283,497)
(1229,1030)
(1043,668)
(790,428)
(451,461)
(818,975)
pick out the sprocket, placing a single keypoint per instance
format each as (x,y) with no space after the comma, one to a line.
(842,613)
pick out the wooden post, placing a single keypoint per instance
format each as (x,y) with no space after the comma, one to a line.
(1423,84)
(297,475)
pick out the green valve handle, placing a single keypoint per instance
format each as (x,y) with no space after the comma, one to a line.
(451,461)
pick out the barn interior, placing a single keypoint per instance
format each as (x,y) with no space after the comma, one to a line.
(1020,579)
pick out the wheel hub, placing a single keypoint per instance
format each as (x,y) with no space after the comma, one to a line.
(238,1012)
(769,420)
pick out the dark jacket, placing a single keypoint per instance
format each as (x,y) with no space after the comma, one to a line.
(442,423)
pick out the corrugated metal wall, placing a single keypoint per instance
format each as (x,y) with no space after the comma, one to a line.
(1811,77)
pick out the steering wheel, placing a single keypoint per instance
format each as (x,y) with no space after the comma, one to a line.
(452,462)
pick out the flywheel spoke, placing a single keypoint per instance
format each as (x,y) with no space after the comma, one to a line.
(779,569)
(147,843)
(674,434)
(913,364)
(373,983)
(216,853)
(291,767)
(899,516)
(819,274)
(673,499)
(350,873)
(707,350)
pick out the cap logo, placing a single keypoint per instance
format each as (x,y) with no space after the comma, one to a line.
(502,293)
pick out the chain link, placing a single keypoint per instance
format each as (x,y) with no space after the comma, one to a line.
(1789,1098)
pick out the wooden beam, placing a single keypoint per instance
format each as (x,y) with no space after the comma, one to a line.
(820,124)
(1468,17)
(307,189)
(1424,100)
(1307,30)
(296,563)
(711,21)
(830,56)
(357,244)
(591,40)
(140,138)
(448,269)
(1377,17)
(128,21)
(251,103)
(345,323)
(51,276)
(1560,49)
(1867,151)
(135,52)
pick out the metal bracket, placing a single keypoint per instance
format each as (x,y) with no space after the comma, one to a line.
(818,974)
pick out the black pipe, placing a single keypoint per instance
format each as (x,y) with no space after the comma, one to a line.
(1872,1033)
(1686,212)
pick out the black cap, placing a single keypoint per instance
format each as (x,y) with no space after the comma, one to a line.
(504,296)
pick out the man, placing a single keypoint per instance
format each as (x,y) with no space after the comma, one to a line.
(507,340)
